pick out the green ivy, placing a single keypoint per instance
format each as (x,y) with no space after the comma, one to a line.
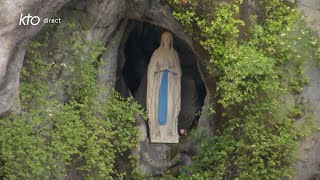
(256,133)
(55,137)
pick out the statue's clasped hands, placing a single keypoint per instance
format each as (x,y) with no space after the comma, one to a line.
(171,70)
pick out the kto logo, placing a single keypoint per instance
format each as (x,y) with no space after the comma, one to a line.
(35,20)
(24,20)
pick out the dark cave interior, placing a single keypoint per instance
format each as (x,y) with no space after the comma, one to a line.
(141,41)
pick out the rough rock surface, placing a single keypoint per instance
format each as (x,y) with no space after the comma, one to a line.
(308,164)
(14,39)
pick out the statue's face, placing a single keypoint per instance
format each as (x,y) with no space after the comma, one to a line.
(166,40)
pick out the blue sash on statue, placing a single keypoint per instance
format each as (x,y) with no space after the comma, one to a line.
(163,98)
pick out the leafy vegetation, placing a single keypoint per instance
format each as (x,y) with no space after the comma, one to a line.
(257,64)
(66,127)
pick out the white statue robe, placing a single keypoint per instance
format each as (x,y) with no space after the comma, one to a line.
(164,58)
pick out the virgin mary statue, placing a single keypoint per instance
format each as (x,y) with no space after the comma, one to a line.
(164,92)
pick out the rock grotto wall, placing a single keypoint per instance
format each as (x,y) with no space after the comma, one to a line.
(110,24)
(308,163)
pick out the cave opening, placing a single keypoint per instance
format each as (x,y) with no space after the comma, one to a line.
(139,42)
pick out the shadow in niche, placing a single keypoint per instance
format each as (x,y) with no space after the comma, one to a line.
(142,40)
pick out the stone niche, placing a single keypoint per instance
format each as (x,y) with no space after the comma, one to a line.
(139,42)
